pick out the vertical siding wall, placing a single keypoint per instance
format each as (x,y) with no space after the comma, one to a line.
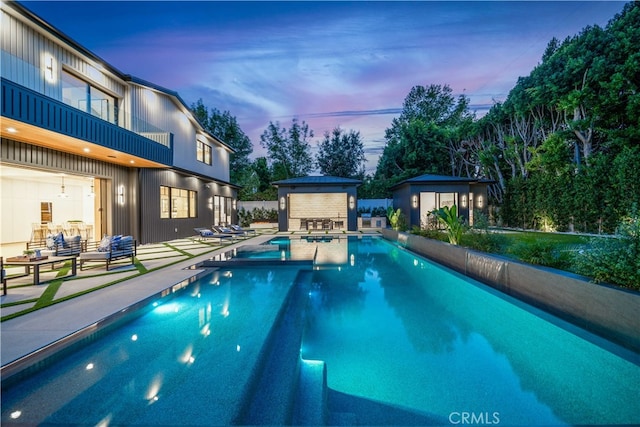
(156,229)
(21,154)
(161,113)
(25,50)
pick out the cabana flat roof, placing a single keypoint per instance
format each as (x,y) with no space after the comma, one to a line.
(316,180)
(441,179)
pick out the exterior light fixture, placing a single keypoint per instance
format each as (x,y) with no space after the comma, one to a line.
(414,201)
(352,202)
(283,203)
(464,200)
(62,194)
(48,69)
(480,202)
(121,194)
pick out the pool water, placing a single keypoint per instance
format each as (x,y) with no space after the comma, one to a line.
(186,361)
(398,329)
(393,328)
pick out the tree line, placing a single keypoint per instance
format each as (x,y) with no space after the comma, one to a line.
(562,149)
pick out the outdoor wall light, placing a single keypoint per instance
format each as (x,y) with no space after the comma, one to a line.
(121,194)
(464,200)
(480,202)
(352,203)
(414,201)
(62,194)
(48,69)
(283,203)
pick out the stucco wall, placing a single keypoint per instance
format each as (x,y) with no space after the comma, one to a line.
(603,310)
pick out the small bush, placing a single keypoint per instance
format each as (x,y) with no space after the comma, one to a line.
(615,260)
(541,253)
(484,241)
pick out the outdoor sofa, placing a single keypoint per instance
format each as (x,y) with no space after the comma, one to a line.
(58,245)
(109,249)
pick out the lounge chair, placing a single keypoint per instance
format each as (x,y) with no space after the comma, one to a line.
(246,231)
(206,233)
(225,230)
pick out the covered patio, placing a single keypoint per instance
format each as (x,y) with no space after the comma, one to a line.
(317,203)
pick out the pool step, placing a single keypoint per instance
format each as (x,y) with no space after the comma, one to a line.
(270,396)
(311,399)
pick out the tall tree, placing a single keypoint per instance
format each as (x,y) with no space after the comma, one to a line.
(288,149)
(423,138)
(341,154)
(225,126)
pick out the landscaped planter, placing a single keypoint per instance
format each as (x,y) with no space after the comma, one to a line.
(604,310)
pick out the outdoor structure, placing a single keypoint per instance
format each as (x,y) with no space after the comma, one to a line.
(84,144)
(417,197)
(317,203)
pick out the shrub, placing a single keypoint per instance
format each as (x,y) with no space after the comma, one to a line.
(454,224)
(541,253)
(614,260)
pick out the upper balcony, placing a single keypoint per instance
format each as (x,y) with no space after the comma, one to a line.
(41,120)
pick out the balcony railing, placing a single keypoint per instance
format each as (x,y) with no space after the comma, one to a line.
(28,106)
(27,75)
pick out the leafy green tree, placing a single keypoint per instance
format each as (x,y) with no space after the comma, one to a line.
(425,138)
(225,126)
(341,154)
(288,149)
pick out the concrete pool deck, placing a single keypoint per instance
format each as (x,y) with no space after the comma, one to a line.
(104,293)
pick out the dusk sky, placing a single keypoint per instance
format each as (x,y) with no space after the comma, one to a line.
(327,63)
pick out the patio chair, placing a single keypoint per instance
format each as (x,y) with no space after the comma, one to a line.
(239,229)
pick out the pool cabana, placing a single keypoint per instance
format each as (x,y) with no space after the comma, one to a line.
(419,196)
(317,203)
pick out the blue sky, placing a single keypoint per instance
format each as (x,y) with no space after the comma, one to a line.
(347,64)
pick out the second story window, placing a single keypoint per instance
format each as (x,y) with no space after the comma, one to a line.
(83,96)
(203,152)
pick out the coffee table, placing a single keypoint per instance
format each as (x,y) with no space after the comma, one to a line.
(37,263)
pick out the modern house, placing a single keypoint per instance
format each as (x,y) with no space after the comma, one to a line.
(317,203)
(417,197)
(84,143)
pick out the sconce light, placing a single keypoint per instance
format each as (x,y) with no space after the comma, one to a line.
(352,203)
(48,68)
(121,194)
(62,194)
(464,200)
(235,204)
(480,202)
(414,201)
(283,203)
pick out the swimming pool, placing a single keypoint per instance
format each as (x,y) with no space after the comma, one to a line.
(399,335)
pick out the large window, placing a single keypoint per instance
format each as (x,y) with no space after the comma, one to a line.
(203,152)
(222,210)
(83,96)
(178,203)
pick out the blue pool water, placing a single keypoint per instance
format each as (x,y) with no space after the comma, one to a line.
(392,327)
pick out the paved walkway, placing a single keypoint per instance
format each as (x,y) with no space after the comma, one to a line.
(72,303)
